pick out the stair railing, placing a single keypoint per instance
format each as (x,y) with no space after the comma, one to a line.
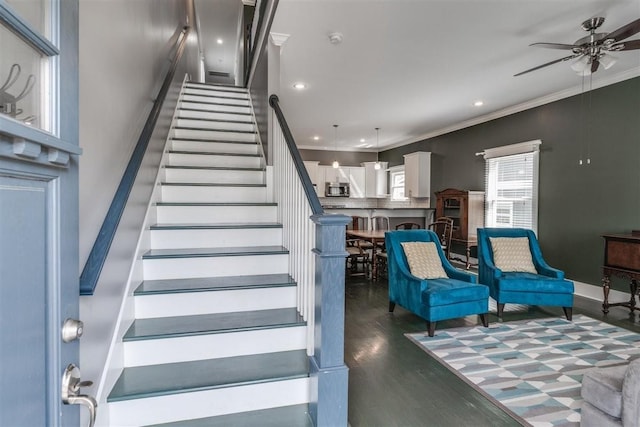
(316,243)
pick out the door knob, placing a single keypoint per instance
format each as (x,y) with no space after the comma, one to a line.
(71,385)
(72,329)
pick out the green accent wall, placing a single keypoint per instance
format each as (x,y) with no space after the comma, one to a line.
(577,203)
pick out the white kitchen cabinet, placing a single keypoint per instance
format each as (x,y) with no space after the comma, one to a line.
(417,174)
(357,182)
(375,179)
(355,176)
(313,171)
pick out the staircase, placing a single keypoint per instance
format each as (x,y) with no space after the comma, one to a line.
(217,339)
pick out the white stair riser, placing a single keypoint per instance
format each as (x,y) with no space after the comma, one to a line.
(180,159)
(213,135)
(179,268)
(212,194)
(217,214)
(217,238)
(221,176)
(228,301)
(193,123)
(210,115)
(201,404)
(213,346)
(210,92)
(216,107)
(215,100)
(196,85)
(214,147)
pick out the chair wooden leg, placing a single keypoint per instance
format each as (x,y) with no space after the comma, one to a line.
(568,311)
(392,306)
(484,319)
(500,309)
(431,326)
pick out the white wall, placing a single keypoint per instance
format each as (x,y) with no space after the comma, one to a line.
(123,48)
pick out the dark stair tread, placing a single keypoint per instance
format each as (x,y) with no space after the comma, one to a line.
(213,111)
(214,252)
(210,184)
(214,129)
(223,168)
(183,377)
(213,226)
(204,284)
(179,326)
(204,119)
(216,204)
(285,416)
(219,141)
(209,153)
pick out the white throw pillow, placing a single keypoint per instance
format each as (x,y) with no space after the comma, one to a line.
(424,261)
(512,254)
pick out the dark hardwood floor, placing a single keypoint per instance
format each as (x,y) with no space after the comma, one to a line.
(392,382)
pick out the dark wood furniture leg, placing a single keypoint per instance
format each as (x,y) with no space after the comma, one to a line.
(431,326)
(392,306)
(484,319)
(633,288)
(568,312)
(606,287)
(500,309)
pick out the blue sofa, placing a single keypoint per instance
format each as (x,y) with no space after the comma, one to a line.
(546,287)
(456,296)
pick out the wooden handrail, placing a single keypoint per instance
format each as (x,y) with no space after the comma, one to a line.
(100,250)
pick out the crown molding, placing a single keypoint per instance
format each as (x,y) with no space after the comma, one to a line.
(278,39)
(547,99)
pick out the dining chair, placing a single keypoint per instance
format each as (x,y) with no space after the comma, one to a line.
(443,227)
(380,222)
(408,226)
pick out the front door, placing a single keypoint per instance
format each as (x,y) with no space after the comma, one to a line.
(38,210)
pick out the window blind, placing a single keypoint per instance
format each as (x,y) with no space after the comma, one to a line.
(511,191)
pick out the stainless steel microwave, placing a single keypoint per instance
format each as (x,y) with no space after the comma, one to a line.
(336,189)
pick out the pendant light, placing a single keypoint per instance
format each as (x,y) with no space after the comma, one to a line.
(335,163)
(377,166)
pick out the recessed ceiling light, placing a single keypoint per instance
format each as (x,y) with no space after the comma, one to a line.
(316,138)
(362,140)
(478,104)
(299,86)
(219,41)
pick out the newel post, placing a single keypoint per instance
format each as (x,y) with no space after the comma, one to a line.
(329,374)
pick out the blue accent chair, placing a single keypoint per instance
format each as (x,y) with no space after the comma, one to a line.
(547,287)
(432,299)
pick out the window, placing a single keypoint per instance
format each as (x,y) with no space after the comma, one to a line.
(511,185)
(396,186)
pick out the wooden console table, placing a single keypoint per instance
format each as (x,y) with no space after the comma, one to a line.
(621,259)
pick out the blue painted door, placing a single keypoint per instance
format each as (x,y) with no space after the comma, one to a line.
(38,209)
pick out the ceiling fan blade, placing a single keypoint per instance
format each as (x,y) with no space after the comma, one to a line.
(628,45)
(594,65)
(556,46)
(623,32)
(566,58)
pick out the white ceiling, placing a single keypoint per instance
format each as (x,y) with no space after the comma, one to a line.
(414,68)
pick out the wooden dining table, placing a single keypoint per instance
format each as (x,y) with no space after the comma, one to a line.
(373,236)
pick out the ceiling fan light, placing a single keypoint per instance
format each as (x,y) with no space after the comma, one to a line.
(581,64)
(607,61)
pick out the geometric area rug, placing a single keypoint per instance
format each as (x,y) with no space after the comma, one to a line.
(532,368)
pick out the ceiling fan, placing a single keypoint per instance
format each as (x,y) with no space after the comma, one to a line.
(593,50)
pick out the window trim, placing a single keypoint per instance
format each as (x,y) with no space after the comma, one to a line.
(394,170)
(532,147)
(22,29)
